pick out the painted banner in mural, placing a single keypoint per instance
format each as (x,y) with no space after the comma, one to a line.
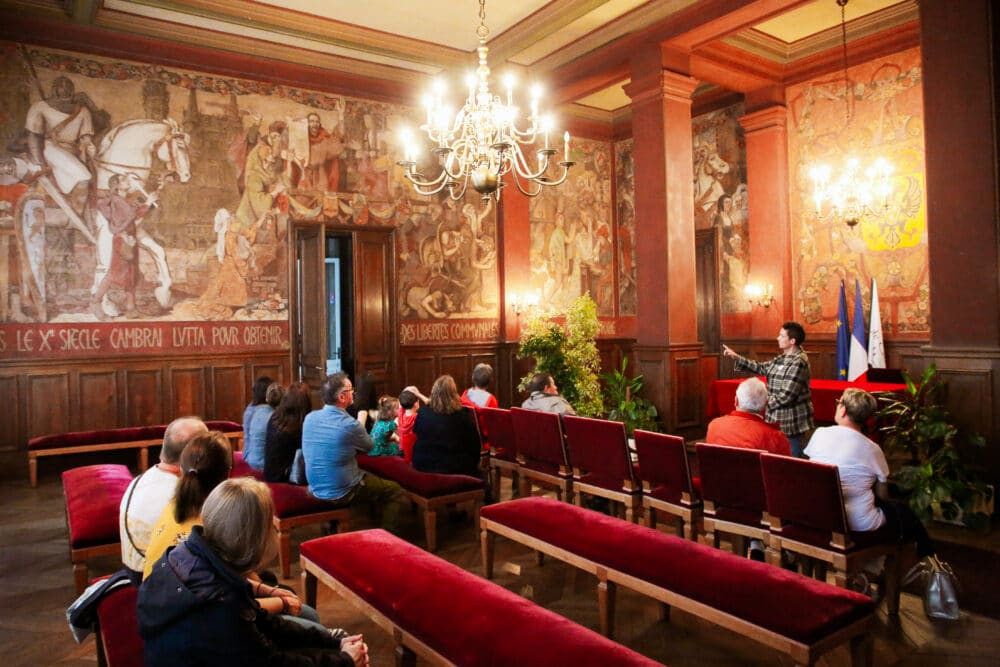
(23,341)
(572,244)
(139,193)
(878,115)
(625,227)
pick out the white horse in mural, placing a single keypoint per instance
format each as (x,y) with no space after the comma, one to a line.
(128,150)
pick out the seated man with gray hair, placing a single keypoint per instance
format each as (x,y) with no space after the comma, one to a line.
(745,426)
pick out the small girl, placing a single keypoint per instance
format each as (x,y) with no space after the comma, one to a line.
(384,431)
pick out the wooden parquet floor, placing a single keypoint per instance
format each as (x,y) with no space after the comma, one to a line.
(36,586)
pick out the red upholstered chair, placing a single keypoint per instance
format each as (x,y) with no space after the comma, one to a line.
(242,469)
(602,463)
(667,485)
(498,431)
(93,495)
(805,504)
(541,453)
(733,494)
(232,430)
(118,640)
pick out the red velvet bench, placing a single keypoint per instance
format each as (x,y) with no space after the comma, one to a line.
(430,491)
(793,614)
(443,614)
(93,495)
(136,437)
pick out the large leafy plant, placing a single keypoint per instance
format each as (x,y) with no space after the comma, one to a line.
(568,352)
(624,402)
(915,423)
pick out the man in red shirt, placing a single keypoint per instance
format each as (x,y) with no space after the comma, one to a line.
(745,426)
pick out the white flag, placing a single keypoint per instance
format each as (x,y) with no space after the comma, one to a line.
(876,349)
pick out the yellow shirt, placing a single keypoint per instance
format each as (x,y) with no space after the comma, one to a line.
(166,534)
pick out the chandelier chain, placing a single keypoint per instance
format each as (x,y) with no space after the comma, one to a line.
(843,44)
(482,32)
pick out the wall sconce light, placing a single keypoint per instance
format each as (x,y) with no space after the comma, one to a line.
(759,295)
(524,303)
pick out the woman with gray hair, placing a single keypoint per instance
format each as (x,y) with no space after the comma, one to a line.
(200,610)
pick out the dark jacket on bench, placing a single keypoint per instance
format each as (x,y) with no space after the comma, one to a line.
(195,610)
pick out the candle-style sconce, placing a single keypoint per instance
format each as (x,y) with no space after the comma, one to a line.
(758,295)
(523,303)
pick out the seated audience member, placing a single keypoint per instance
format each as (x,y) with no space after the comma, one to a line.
(864,472)
(745,426)
(545,396)
(258,397)
(255,437)
(199,608)
(205,463)
(447,436)
(384,431)
(150,492)
(409,405)
(365,404)
(478,394)
(284,432)
(331,441)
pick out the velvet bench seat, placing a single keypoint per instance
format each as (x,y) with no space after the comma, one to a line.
(429,491)
(136,437)
(443,614)
(93,495)
(798,616)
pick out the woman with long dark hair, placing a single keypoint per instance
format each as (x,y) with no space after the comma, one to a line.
(284,432)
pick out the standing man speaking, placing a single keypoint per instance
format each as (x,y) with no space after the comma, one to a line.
(790,402)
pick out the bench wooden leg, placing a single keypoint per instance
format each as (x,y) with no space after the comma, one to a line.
(143,459)
(523,487)
(285,552)
(33,471)
(685,529)
(404,657)
(863,650)
(663,610)
(80,577)
(606,606)
(487,541)
(430,529)
(309,588)
(891,576)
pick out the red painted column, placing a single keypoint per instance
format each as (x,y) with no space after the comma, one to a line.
(514,237)
(667,350)
(770,229)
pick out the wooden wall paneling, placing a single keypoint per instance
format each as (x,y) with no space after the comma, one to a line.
(457,366)
(228,385)
(374,304)
(144,399)
(11,437)
(686,381)
(47,400)
(419,369)
(186,389)
(98,399)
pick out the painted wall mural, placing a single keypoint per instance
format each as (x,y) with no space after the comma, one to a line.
(882,117)
(133,193)
(720,196)
(625,227)
(572,244)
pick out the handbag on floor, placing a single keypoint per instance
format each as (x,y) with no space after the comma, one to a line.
(941,593)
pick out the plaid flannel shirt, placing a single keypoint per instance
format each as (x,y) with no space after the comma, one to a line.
(790,402)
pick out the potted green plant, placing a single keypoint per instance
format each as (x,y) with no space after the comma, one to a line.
(568,352)
(937,482)
(624,402)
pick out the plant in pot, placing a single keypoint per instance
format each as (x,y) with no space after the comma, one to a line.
(624,402)
(937,482)
(568,352)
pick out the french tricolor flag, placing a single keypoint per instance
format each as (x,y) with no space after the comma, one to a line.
(858,365)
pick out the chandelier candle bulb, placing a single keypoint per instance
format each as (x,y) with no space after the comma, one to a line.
(566,147)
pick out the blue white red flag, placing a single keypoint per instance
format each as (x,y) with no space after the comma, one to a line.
(858,363)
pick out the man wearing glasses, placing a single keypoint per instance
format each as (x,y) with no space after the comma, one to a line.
(331,440)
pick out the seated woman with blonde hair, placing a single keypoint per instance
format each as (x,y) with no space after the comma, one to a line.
(199,609)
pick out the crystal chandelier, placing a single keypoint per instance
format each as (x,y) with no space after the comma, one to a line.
(481,142)
(853,194)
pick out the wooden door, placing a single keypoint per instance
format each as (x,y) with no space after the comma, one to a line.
(374,308)
(308,304)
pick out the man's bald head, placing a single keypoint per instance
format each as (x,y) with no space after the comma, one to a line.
(176,437)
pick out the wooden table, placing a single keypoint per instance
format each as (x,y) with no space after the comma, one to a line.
(722,395)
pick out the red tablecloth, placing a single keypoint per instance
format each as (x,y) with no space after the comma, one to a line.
(722,395)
